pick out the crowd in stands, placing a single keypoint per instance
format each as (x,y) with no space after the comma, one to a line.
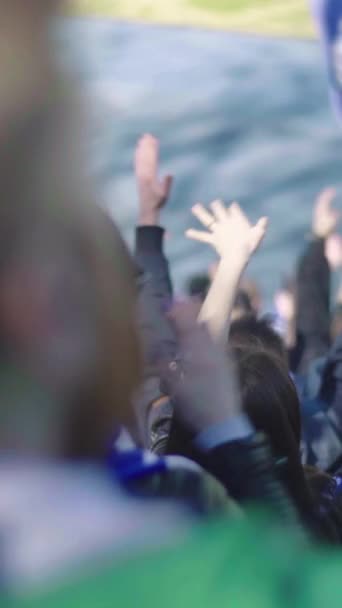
(153,451)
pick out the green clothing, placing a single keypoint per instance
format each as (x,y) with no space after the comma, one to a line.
(238,564)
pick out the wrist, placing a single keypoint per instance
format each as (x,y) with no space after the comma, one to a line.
(235,265)
(320,232)
(318,236)
(148,218)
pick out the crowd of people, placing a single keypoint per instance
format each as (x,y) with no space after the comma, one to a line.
(153,450)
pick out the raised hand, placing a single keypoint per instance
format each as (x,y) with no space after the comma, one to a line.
(206,390)
(235,239)
(325,218)
(153,192)
(285,304)
(333,251)
(229,231)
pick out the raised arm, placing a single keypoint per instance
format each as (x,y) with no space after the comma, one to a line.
(313,284)
(153,409)
(235,240)
(207,406)
(153,194)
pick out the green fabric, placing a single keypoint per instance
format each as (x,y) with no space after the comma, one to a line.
(237,565)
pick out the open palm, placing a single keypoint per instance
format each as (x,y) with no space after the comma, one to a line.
(228,230)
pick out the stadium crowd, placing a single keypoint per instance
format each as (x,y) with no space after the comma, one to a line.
(153,450)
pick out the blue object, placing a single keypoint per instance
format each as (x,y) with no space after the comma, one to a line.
(328,14)
(134,464)
(233,429)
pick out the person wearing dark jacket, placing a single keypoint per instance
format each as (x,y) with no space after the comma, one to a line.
(313,307)
(313,287)
(153,408)
(318,366)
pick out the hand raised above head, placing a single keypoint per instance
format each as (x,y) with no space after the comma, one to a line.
(333,251)
(325,218)
(235,240)
(285,304)
(153,192)
(229,231)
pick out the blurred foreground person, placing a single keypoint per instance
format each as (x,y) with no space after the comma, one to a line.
(63,388)
(70,352)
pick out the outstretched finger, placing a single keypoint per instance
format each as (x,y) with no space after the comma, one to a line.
(237,212)
(146,156)
(199,235)
(259,231)
(326,197)
(262,224)
(219,210)
(203,216)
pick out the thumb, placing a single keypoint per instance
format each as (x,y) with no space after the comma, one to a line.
(259,231)
(166,185)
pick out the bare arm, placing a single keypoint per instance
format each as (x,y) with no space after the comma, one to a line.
(218,305)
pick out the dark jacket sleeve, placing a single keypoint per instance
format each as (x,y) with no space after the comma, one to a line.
(149,253)
(155,296)
(247,470)
(313,306)
(328,438)
(157,333)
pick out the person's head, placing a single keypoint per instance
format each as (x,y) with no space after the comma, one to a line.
(251,288)
(248,332)
(270,399)
(69,347)
(242,306)
(198,286)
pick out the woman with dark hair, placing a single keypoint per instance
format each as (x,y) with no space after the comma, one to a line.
(270,399)
(268,394)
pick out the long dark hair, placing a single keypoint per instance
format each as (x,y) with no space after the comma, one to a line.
(270,399)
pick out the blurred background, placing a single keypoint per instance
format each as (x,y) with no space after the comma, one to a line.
(237,92)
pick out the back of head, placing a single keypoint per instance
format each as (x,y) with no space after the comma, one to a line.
(69,347)
(252,333)
(242,306)
(251,288)
(270,399)
(198,286)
